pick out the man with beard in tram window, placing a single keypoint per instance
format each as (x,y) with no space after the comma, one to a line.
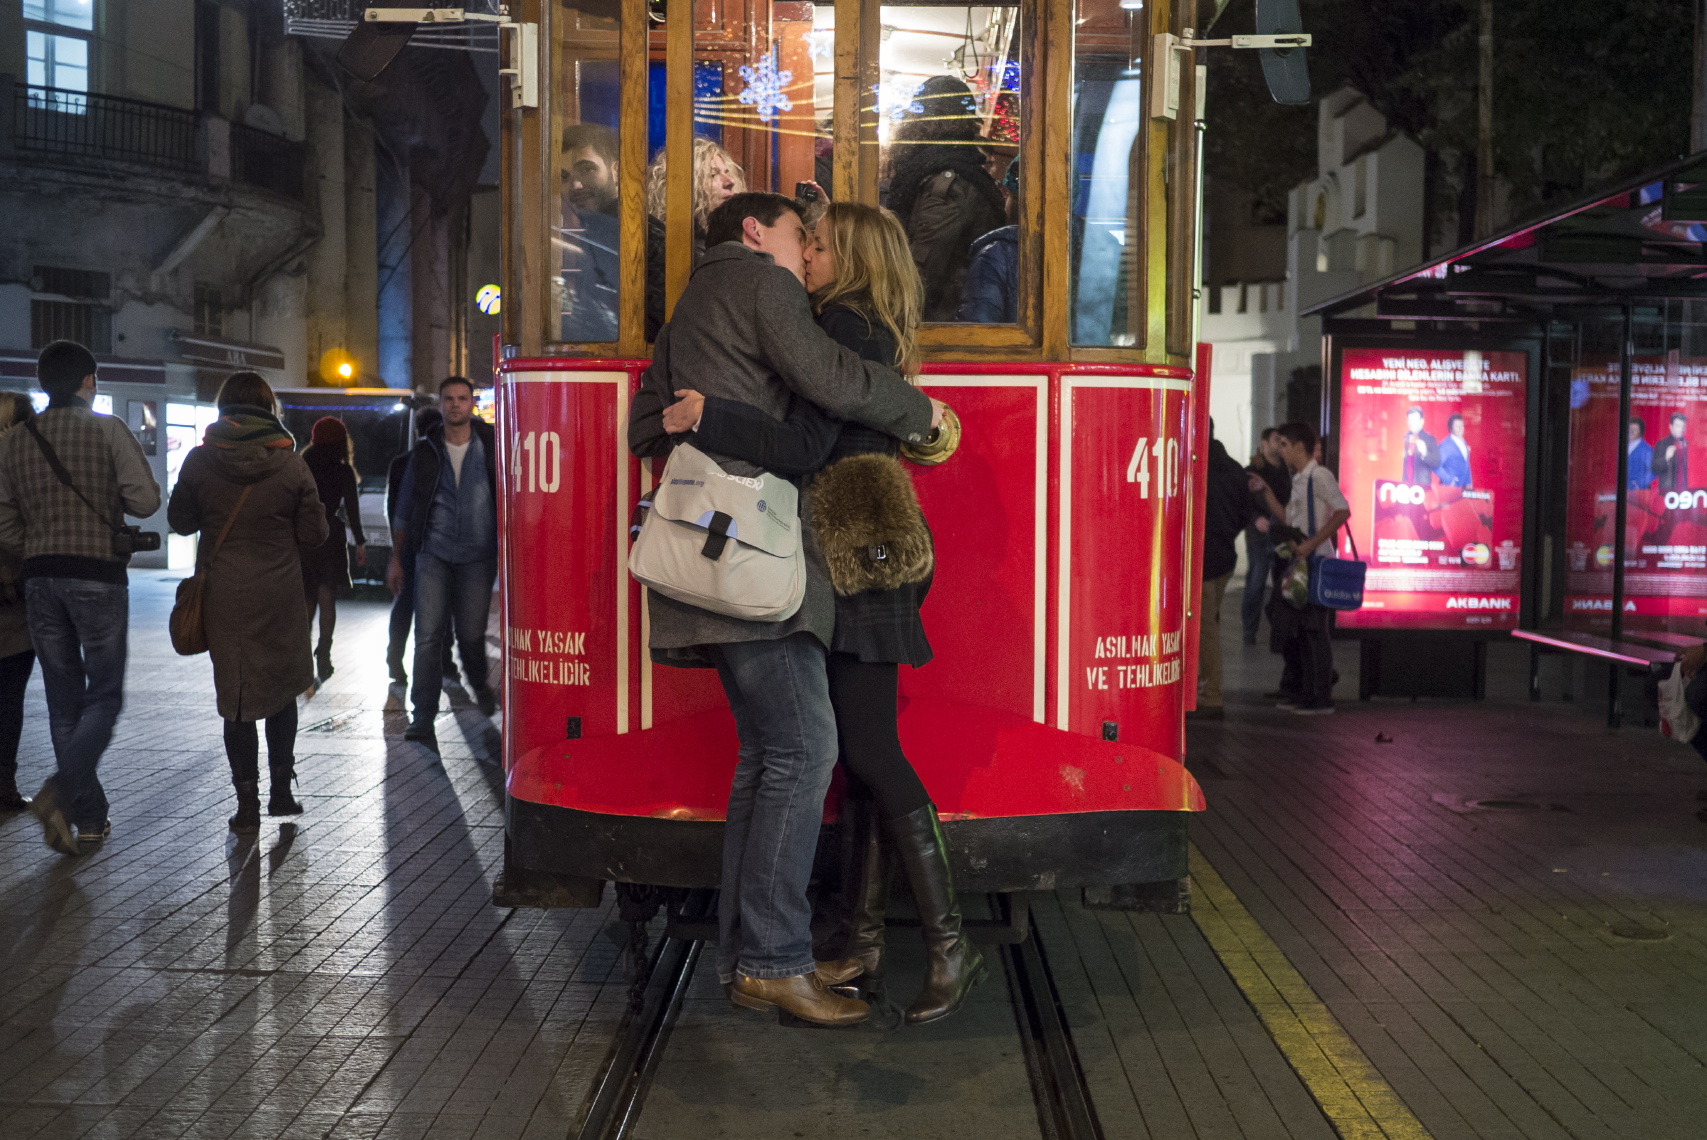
(744,330)
(1670,464)
(589,237)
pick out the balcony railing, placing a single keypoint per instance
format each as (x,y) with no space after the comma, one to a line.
(51,120)
(266,160)
(103,126)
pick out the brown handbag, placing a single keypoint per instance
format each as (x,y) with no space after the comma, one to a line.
(869,525)
(189,635)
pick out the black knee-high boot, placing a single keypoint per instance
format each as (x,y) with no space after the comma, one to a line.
(953,964)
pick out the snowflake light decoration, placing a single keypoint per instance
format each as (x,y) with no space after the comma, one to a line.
(764,88)
(897,100)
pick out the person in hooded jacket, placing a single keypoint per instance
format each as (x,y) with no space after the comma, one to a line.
(246,473)
(942,192)
(991,296)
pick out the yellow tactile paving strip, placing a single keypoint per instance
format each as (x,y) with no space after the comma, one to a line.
(1356,1100)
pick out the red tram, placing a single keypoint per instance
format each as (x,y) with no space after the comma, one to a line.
(1049,728)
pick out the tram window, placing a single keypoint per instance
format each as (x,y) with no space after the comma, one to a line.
(584,227)
(1106,239)
(948,133)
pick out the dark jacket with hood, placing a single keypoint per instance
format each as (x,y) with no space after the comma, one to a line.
(421,480)
(252,603)
(946,200)
(1227,509)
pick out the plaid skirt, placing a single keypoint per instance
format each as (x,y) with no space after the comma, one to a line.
(883,625)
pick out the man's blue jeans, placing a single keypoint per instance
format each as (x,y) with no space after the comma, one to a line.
(780,695)
(79,629)
(1259,557)
(447,595)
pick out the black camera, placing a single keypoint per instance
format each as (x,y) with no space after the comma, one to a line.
(129,540)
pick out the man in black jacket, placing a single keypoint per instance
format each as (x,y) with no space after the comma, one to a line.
(1226,511)
(403,605)
(447,521)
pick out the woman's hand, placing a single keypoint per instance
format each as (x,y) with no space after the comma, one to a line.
(361,554)
(684,414)
(823,194)
(937,409)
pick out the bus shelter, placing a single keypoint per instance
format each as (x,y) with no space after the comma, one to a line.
(1515,426)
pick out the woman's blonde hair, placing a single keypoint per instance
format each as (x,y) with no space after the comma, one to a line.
(15,408)
(704,150)
(876,275)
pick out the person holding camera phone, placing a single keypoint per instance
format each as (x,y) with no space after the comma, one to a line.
(67,481)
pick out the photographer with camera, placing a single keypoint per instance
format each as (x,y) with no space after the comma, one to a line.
(67,480)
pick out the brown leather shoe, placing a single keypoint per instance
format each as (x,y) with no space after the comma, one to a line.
(803,995)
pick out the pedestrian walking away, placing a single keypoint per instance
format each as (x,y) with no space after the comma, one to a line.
(403,604)
(67,481)
(745,331)
(17,656)
(254,502)
(868,297)
(447,521)
(331,459)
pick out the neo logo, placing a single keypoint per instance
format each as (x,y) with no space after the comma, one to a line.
(1402,493)
(1685,500)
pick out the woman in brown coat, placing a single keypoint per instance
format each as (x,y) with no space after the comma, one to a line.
(252,604)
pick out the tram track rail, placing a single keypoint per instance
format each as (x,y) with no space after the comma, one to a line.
(1065,1108)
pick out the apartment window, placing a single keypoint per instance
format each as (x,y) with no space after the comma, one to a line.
(56,49)
(71,304)
(210,313)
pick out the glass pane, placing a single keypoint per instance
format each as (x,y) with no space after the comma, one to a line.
(585,232)
(948,132)
(1106,239)
(1665,525)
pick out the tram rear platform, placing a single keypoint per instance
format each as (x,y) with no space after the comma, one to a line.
(1430,919)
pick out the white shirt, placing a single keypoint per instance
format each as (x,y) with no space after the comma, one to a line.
(457,452)
(1328,498)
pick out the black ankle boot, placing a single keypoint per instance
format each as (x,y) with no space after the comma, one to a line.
(953,964)
(10,798)
(280,801)
(247,821)
(323,662)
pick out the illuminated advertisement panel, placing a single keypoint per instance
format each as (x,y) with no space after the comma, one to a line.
(1431,461)
(1665,523)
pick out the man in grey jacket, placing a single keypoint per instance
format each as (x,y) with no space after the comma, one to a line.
(75,590)
(744,330)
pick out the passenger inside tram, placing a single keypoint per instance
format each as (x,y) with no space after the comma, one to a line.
(590,274)
(941,189)
(991,295)
(717,178)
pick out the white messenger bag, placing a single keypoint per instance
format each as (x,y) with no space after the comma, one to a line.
(725,543)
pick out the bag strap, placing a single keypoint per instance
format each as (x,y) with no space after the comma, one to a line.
(229,519)
(64,476)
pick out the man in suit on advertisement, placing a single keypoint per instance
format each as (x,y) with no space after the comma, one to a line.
(1454,469)
(1670,464)
(1422,452)
(1641,455)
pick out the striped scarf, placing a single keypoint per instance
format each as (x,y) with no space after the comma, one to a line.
(245,423)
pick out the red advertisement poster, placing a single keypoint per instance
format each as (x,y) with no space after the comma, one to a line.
(1665,524)
(1431,461)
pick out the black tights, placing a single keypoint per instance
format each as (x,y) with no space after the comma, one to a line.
(243,746)
(863,695)
(14,676)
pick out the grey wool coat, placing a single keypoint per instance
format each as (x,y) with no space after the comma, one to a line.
(744,330)
(252,600)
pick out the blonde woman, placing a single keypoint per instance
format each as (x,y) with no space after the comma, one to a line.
(717,178)
(17,656)
(866,291)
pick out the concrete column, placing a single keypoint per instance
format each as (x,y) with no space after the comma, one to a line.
(361,273)
(395,287)
(430,262)
(327,261)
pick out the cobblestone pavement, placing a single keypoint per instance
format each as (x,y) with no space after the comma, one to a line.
(344,976)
